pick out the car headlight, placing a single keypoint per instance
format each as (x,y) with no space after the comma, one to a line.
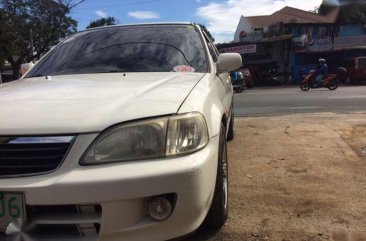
(155,138)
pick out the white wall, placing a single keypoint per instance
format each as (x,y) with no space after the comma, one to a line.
(242,26)
(252,35)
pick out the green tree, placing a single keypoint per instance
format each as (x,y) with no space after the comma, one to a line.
(356,13)
(349,12)
(102,22)
(2,62)
(315,10)
(38,23)
(1,67)
(203,27)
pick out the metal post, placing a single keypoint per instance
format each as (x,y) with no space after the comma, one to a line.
(31,41)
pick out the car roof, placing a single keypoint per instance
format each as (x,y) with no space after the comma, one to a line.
(141,24)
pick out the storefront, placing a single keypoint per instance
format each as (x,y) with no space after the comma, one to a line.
(335,50)
(263,55)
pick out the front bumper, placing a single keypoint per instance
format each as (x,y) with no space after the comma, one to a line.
(122,190)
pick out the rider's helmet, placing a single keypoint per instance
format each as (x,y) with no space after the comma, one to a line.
(321,60)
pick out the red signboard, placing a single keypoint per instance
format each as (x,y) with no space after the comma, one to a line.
(242,49)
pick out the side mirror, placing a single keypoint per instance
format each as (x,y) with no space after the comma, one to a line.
(24,68)
(228,62)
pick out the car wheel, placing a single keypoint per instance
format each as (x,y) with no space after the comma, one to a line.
(219,209)
(239,90)
(230,134)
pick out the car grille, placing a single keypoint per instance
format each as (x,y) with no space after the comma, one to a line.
(62,223)
(32,155)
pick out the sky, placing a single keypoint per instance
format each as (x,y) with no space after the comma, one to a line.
(221,17)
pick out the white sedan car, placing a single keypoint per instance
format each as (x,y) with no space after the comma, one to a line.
(118,133)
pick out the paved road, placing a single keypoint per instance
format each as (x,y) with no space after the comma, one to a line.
(283,101)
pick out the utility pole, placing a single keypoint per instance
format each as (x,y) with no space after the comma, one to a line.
(31,41)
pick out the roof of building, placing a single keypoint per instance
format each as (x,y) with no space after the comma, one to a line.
(287,15)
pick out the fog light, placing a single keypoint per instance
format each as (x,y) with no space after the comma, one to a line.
(159,208)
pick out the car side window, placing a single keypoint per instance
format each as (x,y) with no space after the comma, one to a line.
(211,47)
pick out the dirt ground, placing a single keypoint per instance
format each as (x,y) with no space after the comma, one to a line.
(298,178)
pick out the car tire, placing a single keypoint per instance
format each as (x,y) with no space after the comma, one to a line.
(219,209)
(231,134)
(240,89)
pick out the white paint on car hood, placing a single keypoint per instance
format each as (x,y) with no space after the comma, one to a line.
(89,103)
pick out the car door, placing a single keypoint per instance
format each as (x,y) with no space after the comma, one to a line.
(225,86)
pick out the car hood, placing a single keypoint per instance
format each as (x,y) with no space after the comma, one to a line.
(89,103)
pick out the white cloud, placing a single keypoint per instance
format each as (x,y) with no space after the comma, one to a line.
(101,14)
(223,38)
(223,18)
(144,15)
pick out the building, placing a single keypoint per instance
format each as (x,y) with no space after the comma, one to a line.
(292,39)
(337,41)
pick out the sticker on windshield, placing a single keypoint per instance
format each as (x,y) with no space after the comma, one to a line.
(183,68)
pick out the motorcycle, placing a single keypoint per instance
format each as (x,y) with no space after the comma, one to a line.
(308,82)
(238,84)
(270,77)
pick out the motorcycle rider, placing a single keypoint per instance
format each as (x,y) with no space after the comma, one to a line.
(322,71)
(237,79)
(234,75)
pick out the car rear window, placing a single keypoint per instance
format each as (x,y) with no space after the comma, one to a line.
(144,48)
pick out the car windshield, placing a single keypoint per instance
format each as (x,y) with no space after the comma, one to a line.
(147,48)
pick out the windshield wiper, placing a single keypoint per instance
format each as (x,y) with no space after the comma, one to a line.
(34,76)
(116,71)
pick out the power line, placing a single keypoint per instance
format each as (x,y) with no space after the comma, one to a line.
(116,5)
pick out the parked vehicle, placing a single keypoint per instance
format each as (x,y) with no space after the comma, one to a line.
(308,82)
(248,78)
(270,77)
(356,70)
(237,80)
(7,75)
(113,136)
